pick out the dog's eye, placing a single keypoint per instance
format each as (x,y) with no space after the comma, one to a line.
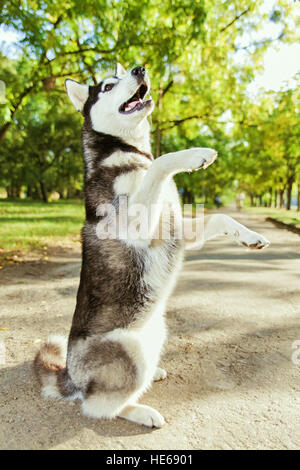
(109,86)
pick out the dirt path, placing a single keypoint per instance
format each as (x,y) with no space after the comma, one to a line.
(232,384)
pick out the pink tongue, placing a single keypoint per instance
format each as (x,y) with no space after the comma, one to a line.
(131,105)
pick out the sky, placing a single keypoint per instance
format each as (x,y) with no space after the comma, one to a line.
(279,68)
(281,61)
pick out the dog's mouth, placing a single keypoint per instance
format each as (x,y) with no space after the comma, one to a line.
(136,102)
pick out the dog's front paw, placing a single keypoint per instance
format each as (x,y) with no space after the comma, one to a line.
(253,240)
(209,156)
(200,158)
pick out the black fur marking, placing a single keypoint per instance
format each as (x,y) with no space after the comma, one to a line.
(65,385)
(105,145)
(92,99)
(99,188)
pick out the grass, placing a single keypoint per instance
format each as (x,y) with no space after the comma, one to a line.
(288,217)
(33,225)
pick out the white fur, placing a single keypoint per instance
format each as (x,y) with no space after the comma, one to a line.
(221,224)
(151,194)
(61,341)
(160,374)
(138,342)
(143,414)
(102,406)
(119,71)
(121,158)
(51,391)
(78,93)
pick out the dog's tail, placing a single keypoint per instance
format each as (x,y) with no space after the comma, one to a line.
(50,368)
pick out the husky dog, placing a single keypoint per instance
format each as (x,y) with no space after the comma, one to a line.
(112,354)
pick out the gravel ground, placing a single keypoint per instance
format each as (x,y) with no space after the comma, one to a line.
(231,384)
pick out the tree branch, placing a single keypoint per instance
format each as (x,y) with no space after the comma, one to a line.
(15,107)
(165,90)
(80,51)
(87,65)
(236,18)
(177,122)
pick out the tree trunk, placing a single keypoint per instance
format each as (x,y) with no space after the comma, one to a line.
(187,196)
(271,198)
(18,191)
(289,192)
(36,192)
(157,142)
(4,129)
(275,198)
(298,198)
(158,130)
(281,200)
(13,192)
(44,191)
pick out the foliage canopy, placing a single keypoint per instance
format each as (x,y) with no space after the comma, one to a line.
(201,56)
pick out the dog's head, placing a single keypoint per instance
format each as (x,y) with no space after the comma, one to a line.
(118,103)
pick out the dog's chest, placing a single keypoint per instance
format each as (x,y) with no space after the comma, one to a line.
(127,183)
(162,267)
(162,257)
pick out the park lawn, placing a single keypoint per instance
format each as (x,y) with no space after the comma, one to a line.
(34,225)
(288,217)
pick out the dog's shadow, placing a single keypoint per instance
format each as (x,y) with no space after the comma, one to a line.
(29,421)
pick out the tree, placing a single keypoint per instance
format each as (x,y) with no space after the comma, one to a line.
(47,152)
(198,85)
(268,147)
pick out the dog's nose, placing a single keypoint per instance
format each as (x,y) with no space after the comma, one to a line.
(138,72)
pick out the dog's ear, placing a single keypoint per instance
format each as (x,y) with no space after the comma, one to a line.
(78,93)
(119,70)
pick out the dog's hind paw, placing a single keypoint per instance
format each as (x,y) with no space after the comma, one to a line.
(143,414)
(160,374)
